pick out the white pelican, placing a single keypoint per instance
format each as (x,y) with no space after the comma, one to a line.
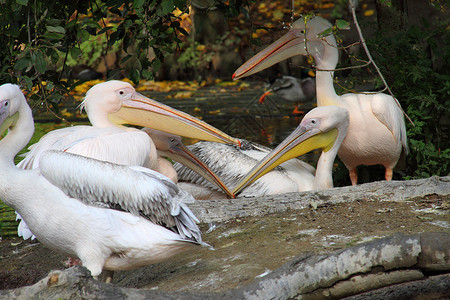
(108,105)
(322,128)
(376,134)
(112,217)
(232,164)
(292,89)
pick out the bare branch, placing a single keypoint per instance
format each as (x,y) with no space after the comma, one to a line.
(369,56)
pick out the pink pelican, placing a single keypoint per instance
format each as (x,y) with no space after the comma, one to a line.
(376,133)
(110,216)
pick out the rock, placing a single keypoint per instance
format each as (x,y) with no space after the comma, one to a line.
(397,263)
(217,210)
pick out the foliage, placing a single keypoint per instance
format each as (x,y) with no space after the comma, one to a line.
(416,63)
(35,33)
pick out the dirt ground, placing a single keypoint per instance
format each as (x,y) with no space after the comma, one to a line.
(246,247)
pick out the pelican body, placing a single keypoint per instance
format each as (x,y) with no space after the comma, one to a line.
(376,133)
(112,217)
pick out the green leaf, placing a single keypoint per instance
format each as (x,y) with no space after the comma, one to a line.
(22,63)
(135,76)
(342,24)
(22,2)
(75,52)
(138,3)
(29,82)
(39,62)
(57,29)
(53,35)
(105,29)
(83,35)
(326,32)
(167,6)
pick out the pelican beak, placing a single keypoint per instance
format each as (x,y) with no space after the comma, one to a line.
(5,119)
(263,96)
(183,155)
(145,112)
(291,44)
(299,142)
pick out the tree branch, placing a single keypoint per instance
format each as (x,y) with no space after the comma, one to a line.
(369,56)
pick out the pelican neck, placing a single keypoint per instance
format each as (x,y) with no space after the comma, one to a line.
(326,63)
(18,135)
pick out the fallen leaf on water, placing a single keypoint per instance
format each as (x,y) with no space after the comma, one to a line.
(227,83)
(181,95)
(214,112)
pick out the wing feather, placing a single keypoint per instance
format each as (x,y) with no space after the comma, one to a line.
(387,112)
(113,144)
(138,190)
(232,164)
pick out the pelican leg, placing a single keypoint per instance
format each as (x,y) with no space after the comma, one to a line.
(354,176)
(388,174)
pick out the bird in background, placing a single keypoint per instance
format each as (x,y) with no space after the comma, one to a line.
(292,89)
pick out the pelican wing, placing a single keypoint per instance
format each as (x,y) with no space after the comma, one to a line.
(387,112)
(135,189)
(231,165)
(113,144)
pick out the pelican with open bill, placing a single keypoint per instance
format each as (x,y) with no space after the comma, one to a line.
(142,111)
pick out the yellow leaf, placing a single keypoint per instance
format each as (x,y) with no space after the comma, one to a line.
(214,112)
(201,48)
(277,15)
(183,94)
(327,5)
(196,109)
(369,12)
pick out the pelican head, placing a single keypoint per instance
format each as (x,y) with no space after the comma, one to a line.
(9,105)
(171,146)
(304,38)
(323,128)
(118,102)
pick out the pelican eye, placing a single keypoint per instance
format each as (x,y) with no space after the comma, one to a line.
(313,121)
(121,92)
